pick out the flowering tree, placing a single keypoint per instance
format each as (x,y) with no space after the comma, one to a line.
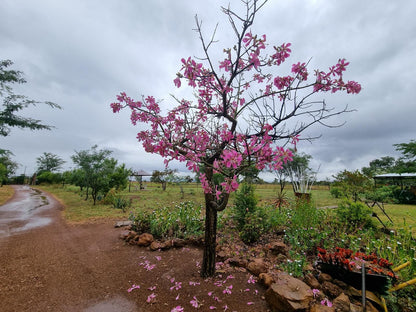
(242,108)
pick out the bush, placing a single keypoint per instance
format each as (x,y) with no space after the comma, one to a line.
(255,225)
(336,192)
(245,204)
(251,220)
(354,215)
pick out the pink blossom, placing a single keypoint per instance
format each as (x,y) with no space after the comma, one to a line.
(177,82)
(212,308)
(150,298)
(250,303)
(315,292)
(152,288)
(177,286)
(248,37)
(251,280)
(133,287)
(227,290)
(194,302)
(177,309)
(194,283)
(326,302)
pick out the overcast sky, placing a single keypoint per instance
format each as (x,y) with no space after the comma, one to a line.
(81,53)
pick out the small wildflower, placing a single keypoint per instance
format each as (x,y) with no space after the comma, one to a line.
(177,309)
(194,283)
(158,258)
(250,303)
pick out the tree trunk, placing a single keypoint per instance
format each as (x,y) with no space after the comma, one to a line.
(210,244)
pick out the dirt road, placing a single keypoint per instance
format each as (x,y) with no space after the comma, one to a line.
(48,265)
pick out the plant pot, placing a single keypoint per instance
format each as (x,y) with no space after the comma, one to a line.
(373,282)
(303,196)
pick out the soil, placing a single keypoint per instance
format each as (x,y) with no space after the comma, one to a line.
(87,267)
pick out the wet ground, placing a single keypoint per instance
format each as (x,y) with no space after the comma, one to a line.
(27,210)
(49,265)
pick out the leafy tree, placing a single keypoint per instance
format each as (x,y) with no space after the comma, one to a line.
(381,165)
(119,178)
(352,183)
(162,177)
(407,149)
(49,162)
(13,103)
(242,109)
(7,166)
(99,171)
(406,163)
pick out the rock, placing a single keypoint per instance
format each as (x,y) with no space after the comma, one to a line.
(257,266)
(130,236)
(323,277)
(281,258)
(238,262)
(311,281)
(123,223)
(155,246)
(317,307)
(124,235)
(278,248)
(145,240)
(266,279)
(331,290)
(288,294)
(341,284)
(342,303)
(167,244)
(178,243)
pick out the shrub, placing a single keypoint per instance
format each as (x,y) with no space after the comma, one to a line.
(245,204)
(255,225)
(354,215)
(336,192)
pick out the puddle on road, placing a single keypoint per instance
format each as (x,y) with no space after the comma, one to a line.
(119,304)
(23,214)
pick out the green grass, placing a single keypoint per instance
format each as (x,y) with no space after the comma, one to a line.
(153,197)
(79,210)
(403,216)
(6,192)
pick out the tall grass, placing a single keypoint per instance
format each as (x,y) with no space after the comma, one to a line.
(6,192)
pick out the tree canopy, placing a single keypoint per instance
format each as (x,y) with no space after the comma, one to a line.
(49,162)
(13,103)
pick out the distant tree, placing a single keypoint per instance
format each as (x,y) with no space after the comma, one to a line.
(381,165)
(13,103)
(7,166)
(162,177)
(49,162)
(99,171)
(352,184)
(290,170)
(119,178)
(407,162)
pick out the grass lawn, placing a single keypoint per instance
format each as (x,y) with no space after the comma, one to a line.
(153,197)
(6,192)
(79,210)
